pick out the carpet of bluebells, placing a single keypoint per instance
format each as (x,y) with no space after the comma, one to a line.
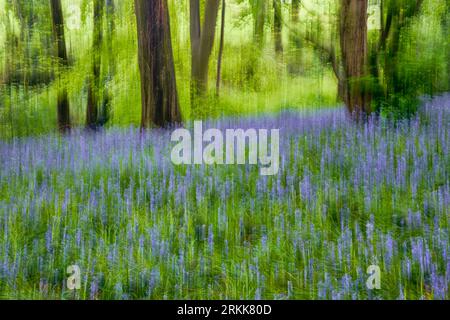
(348,195)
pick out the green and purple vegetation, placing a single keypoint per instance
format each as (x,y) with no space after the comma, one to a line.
(348,195)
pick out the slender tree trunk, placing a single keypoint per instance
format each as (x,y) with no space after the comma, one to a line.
(295,41)
(353,36)
(222,42)
(94,78)
(110,16)
(202,42)
(160,106)
(259,13)
(110,34)
(7,87)
(295,11)
(278,26)
(63,108)
(25,35)
(447,35)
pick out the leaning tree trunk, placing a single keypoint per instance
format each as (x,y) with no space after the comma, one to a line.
(160,105)
(94,78)
(353,36)
(63,108)
(202,42)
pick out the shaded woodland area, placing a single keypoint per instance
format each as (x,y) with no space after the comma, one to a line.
(152,63)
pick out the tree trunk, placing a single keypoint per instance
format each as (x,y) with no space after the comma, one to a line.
(295,11)
(259,13)
(111,30)
(278,26)
(222,40)
(295,41)
(353,37)
(202,42)
(94,78)
(160,106)
(104,113)
(63,108)
(447,35)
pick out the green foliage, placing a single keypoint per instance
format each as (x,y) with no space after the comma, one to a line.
(414,59)
(254,78)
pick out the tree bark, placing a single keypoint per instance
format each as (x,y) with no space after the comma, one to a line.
(160,106)
(353,38)
(222,42)
(104,113)
(447,34)
(202,42)
(295,10)
(259,14)
(278,26)
(94,78)
(110,16)
(63,107)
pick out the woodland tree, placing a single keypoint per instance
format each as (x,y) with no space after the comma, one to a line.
(354,46)
(160,106)
(202,43)
(92,108)
(278,26)
(104,113)
(222,43)
(259,8)
(63,107)
(388,87)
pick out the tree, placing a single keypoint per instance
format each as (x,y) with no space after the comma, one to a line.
(295,42)
(278,26)
(160,106)
(202,43)
(259,8)
(388,88)
(370,75)
(104,113)
(63,107)
(295,10)
(446,28)
(222,40)
(94,77)
(354,51)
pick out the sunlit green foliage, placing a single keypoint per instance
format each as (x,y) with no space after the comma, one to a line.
(253,80)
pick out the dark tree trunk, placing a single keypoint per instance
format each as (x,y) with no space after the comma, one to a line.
(94,78)
(353,36)
(104,113)
(278,26)
(222,42)
(160,105)
(63,108)
(202,42)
